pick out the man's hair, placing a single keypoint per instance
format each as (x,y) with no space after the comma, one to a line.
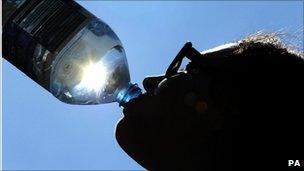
(263,63)
(260,61)
(277,40)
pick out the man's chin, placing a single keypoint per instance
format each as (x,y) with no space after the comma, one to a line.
(129,140)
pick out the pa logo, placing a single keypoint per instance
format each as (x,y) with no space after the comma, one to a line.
(295,163)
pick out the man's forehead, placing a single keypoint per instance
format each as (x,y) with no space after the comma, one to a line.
(219,48)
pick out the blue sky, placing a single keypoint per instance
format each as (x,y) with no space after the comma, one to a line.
(40,132)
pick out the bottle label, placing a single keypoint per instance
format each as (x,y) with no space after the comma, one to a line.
(51,22)
(37,31)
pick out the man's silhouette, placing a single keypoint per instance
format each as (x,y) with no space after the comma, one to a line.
(240,108)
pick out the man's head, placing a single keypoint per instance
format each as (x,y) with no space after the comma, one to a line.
(208,117)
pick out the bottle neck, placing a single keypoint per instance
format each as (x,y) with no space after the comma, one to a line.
(125,95)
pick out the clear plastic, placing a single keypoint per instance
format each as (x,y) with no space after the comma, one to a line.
(92,68)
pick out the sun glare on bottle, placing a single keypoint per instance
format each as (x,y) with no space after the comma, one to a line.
(94,77)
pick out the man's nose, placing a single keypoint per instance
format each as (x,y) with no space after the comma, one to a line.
(151,83)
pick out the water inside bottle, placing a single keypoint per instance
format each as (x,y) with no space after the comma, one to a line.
(92,69)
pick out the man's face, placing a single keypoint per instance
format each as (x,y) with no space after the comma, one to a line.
(164,121)
(178,119)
